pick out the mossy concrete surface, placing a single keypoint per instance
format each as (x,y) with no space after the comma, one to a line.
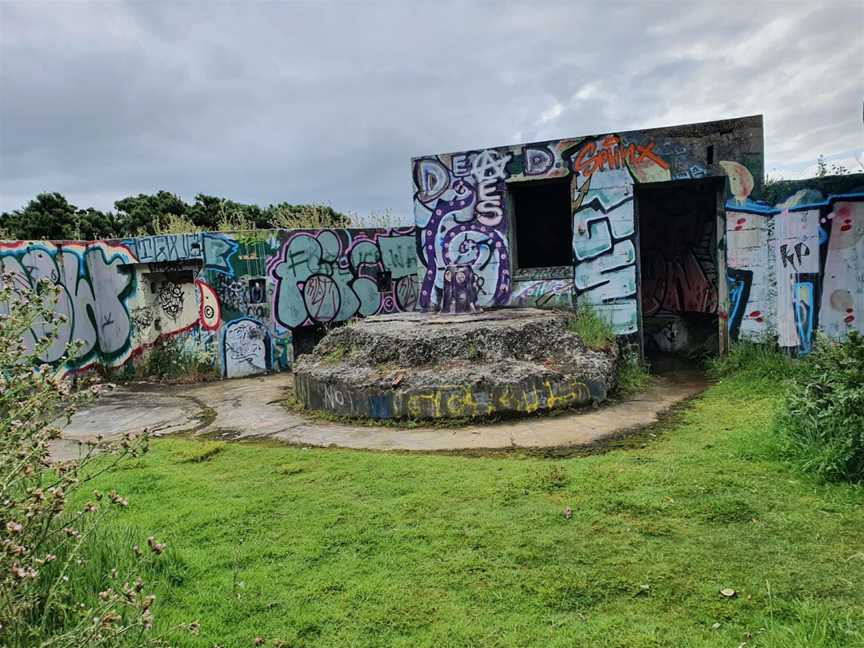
(433,366)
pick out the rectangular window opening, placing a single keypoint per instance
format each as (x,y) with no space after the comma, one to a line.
(542,223)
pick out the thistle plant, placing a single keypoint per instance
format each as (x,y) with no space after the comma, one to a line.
(43,538)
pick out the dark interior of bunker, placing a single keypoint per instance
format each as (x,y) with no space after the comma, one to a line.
(679,268)
(541,218)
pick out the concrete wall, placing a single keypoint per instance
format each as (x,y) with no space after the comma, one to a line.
(797,266)
(233,299)
(463,215)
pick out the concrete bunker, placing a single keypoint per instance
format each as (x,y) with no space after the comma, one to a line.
(630,223)
(438,365)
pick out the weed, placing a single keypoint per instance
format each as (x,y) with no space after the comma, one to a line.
(170,224)
(821,426)
(759,360)
(472,353)
(594,331)
(633,376)
(336,355)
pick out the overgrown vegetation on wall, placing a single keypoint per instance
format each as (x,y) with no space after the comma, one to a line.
(173,361)
(597,333)
(778,189)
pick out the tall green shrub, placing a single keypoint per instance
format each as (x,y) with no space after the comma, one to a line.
(821,425)
(43,539)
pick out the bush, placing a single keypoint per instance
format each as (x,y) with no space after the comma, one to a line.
(821,424)
(172,361)
(43,541)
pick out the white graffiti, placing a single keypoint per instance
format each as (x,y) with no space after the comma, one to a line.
(93,291)
(245,349)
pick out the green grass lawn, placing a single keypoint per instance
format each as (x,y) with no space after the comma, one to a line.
(345,548)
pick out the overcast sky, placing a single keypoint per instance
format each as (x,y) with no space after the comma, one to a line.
(328,101)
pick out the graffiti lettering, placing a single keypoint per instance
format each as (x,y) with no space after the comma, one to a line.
(613,154)
(799,251)
(327,276)
(167,247)
(538,160)
(94,288)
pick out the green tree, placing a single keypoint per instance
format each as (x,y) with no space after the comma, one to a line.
(213,213)
(138,215)
(51,216)
(93,224)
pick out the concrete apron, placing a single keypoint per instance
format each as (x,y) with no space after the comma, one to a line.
(250,408)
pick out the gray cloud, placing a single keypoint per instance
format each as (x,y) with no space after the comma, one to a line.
(263,102)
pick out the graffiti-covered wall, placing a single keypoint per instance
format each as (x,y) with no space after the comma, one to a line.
(464,211)
(792,265)
(232,299)
(95,290)
(797,266)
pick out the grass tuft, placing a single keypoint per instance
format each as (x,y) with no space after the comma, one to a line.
(595,331)
(633,376)
(201,451)
(760,361)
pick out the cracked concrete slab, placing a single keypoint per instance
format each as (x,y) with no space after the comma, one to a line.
(251,408)
(128,409)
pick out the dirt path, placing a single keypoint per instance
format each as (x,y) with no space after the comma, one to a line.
(250,408)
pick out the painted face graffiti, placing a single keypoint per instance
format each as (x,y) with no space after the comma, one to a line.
(246,349)
(171,299)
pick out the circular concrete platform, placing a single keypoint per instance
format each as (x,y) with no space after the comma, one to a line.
(432,366)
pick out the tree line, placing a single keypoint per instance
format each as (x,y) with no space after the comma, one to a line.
(51,216)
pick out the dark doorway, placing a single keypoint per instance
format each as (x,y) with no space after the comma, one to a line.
(679,268)
(542,222)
